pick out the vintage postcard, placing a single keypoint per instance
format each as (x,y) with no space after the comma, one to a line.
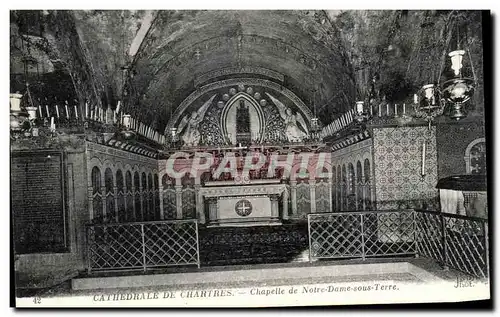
(249,158)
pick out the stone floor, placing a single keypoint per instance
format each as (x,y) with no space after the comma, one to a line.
(308,273)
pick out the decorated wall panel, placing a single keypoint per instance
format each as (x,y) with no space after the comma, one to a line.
(398,164)
(121,185)
(352,187)
(246,110)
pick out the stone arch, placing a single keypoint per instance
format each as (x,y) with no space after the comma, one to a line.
(257,109)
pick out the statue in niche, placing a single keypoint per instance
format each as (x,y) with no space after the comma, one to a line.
(292,131)
(243,134)
(191,135)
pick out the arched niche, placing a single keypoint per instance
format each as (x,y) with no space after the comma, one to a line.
(254,92)
(255,115)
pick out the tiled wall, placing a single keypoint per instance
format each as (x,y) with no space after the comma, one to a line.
(398,165)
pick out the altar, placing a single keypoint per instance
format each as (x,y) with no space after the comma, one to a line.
(254,204)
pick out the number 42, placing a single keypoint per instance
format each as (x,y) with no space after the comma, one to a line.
(37,300)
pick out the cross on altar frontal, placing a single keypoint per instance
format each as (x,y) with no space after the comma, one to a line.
(243,208)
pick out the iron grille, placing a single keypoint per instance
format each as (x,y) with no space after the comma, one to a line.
(454,241)
(361,234)
(129,246)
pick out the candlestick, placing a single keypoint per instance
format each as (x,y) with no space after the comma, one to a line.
(423,158)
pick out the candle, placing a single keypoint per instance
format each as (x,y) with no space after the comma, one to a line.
(86,110)
(404,108)
(423,158)
(40,110)
(415,98)
(52,124)
(371,110)
(395,110)
(387,106)
(76,112)
(57,111)
(47,109)
(380,110)
(118,107)
(92,114)
(67,112)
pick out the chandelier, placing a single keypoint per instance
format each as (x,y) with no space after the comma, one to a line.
(454,88)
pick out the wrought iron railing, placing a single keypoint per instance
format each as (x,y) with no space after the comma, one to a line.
(142,245)
(454,241)
(361,234)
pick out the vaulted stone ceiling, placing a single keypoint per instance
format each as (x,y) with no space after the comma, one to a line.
(155,59)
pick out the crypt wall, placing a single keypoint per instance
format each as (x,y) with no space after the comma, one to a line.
(38,167)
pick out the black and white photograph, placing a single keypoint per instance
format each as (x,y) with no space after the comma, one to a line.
(249,158)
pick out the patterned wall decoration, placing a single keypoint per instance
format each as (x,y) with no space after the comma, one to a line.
(113,172)
(267,124)
(398,165)
(322,192)
(169,198)
(188,198)
(351,187)
(303,199)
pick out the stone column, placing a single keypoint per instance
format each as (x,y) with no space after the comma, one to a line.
(160,196)
(141,197)
(293,194)
(285,203)
(115,190)
(274,206)
(90,191)
(200,212)
(330,198)
(312,195)
(104,201)
(178,201)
